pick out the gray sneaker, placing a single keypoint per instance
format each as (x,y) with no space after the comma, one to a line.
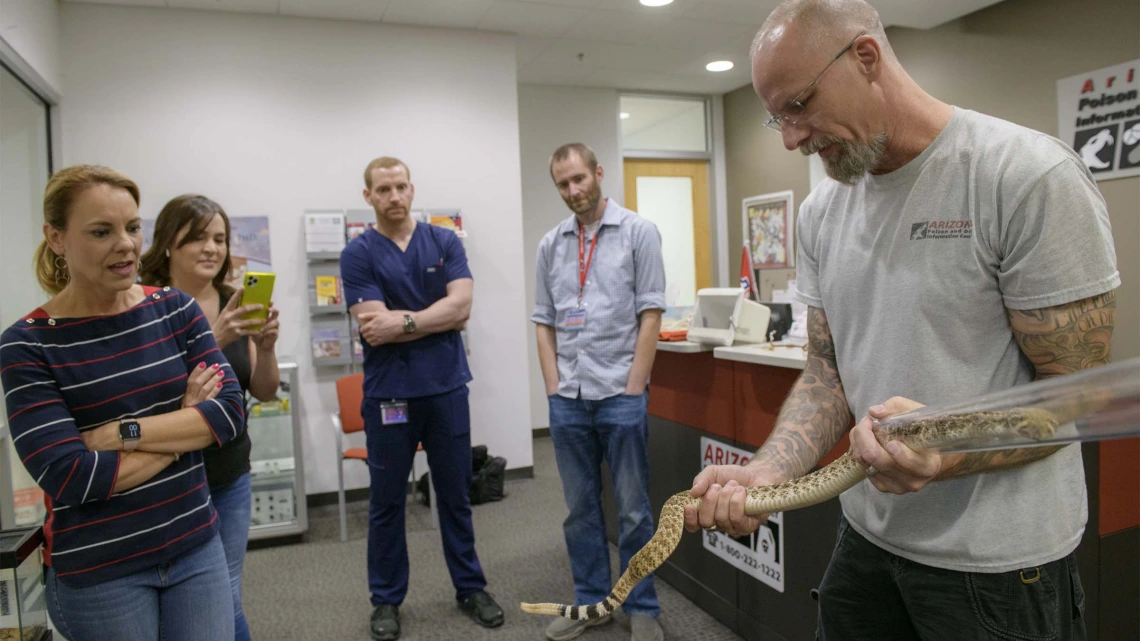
(565,629)
(645,628)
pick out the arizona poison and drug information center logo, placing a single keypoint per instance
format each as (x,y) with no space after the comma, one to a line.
(942,229)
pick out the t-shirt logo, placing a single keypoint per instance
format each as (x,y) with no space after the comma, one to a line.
(942,229)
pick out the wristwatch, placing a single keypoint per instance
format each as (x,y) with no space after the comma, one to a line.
(409,324)
(130,432)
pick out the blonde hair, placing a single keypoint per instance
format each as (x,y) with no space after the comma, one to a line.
(384,162)
(63,188)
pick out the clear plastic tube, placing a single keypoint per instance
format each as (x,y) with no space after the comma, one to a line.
(1091,405)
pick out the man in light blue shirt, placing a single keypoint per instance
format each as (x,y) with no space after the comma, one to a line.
(599,293)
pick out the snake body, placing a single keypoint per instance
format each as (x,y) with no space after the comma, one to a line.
(826,483)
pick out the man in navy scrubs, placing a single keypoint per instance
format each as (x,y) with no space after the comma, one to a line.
(409,288)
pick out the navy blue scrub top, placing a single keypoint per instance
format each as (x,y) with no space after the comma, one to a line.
(372,267)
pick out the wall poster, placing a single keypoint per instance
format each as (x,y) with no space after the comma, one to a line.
(1098,114)
(769,229)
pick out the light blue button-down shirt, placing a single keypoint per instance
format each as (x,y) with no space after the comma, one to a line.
(626,277)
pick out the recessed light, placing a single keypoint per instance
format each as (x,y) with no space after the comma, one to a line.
(719,65)
(624,115)
(656,3)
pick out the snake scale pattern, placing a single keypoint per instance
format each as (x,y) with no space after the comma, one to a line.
(826,483)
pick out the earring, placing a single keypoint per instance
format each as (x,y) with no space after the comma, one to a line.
(168,253)
(62,275)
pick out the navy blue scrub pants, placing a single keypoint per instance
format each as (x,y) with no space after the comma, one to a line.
(443,424)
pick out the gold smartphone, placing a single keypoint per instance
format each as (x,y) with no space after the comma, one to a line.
(258,291)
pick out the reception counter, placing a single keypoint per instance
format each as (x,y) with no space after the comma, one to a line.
(719,405)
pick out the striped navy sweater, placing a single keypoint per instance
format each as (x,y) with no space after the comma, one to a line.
(62,377)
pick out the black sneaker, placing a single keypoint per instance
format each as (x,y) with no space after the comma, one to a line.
(483,609)
(385,623)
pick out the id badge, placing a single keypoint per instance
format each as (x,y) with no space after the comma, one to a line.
(576,320)
(394,413)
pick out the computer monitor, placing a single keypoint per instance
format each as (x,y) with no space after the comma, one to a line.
(723,316)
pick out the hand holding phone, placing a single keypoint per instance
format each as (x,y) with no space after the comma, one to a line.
(231,323)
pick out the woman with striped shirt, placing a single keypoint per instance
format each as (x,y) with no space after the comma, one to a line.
(112,390)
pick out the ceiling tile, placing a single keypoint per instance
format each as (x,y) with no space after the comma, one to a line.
(609,55)
(676,8)
(530,19)
(243,6)
(529,48)
(372,10)
(134,3)
(464,14)
(554,74)
(742,12)
(690,33)
(617,26)
(568,3)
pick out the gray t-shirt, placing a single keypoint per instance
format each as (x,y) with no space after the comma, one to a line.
(915,270)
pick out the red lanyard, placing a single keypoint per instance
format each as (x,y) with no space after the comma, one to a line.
(583,260)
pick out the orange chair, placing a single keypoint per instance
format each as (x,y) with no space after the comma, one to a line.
(347,420)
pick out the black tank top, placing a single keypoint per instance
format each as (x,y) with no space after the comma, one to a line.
(224,465)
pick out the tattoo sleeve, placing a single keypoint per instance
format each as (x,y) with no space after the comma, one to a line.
(815,414)
(1057,340)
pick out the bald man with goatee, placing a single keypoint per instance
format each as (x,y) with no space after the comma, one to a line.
(948,255)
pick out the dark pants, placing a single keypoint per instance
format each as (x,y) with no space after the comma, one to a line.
(869,593)
(443,424)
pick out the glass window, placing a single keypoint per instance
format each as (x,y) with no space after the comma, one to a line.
(664,124)
(24,165)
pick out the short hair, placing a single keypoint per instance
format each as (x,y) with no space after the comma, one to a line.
(826,22)
(384,162)
(582,150)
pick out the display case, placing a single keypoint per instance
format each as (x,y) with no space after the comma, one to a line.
(21,500)
(277,472)
(23,607)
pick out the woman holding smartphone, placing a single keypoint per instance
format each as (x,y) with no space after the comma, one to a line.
(191,252)
(112,390)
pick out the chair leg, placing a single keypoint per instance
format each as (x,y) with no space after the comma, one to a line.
(434,504)
(340,499)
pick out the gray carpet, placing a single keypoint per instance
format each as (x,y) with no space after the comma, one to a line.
(319,589)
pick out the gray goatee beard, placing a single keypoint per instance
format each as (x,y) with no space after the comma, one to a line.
(853,160)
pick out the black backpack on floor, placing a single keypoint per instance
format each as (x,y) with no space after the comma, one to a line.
(487,479)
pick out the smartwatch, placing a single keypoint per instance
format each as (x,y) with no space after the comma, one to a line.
(409,324)
(130,431)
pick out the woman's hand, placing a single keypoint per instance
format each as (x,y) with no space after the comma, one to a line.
(202,384)
(229,326)
(265,339)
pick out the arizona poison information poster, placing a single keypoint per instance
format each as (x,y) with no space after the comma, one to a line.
(1099,116)
(760,554)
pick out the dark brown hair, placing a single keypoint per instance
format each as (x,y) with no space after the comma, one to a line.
(187,209)
(62,189)
(582,150)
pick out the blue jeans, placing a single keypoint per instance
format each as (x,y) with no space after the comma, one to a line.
(187,599)
(443,424)
(584,432)
(232,503)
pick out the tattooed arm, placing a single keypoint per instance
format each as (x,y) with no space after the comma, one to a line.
(1057,340)
(815,414)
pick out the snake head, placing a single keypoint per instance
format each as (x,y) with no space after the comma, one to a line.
(1036,424)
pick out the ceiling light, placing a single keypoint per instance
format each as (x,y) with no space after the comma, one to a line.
(624,115)
(719,65)
(656,3)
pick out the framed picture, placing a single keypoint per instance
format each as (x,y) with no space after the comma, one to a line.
(769,230)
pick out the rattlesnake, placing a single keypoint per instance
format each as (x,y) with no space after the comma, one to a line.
(811,489)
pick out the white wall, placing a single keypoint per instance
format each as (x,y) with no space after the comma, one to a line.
(271,115)
(550,116)
(30,29)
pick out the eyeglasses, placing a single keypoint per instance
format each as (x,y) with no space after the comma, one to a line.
(794,109)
